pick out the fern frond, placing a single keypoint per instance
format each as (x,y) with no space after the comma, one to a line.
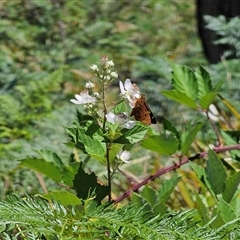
(228,32)
(33,217)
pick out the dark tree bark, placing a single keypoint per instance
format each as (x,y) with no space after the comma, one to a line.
(228,8)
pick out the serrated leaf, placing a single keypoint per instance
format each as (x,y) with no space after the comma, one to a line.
(149,195)
(49,169)
(183,80)
(63,197)
(180,97)
(140,202)
(215,172)
(93,147)
(167,125)
(203,81)
(201,174)
(50,156)
(188,137)
(86,185)
(133,135)
(207,100)
(162,144)
(231,186)
(225,210)
(166,189)
(217,87)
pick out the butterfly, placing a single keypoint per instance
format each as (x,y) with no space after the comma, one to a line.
(142,112)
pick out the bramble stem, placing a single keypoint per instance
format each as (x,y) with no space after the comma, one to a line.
(107,145)
(173,167)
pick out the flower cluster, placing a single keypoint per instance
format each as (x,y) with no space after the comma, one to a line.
(88,98)
(121,119)
(104,73)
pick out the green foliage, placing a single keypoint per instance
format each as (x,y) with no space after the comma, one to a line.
(86,185)
(37,218)
(34,86)
(155,201)
(192,88)
(228,32)
(52,166)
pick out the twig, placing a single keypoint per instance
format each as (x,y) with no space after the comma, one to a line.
(173,167)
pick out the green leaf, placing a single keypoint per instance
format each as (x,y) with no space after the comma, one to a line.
(86,185)
(231,186)
(166,189)
(188,137)
(149,195)
(140,202)
(203,81)
(217,87)
(180,97)
(94,148)
(235,203)
(162,144)
(184,81)
(63,197)
(201,174)
(50,156)
(49,169)
(167,125)
(133,135)
(159,208)
(201,209)
(215,172)
(225,210)
(207,100)
(120,107)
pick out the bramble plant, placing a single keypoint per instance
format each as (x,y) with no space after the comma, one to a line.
(103,134)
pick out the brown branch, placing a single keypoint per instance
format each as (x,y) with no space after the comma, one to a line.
(173,167)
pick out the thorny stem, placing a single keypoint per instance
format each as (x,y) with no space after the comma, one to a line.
(107,145)
(173,167)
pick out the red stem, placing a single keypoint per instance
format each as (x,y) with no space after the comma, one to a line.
(173,167)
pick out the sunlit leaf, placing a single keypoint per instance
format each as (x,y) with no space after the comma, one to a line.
(184,81)
(180,97)
(231,186)
(63,197)
(203,81)
(162,144)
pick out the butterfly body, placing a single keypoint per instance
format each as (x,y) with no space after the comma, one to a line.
(142,112)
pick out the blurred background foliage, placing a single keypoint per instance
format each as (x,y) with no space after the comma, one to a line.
(47,47)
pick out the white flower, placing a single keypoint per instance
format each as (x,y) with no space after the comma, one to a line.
(121,119)
(124,156)
(110,63)
(94,67)
(89,85)
(114,74)
(130,91)
(213,113)
(83,98)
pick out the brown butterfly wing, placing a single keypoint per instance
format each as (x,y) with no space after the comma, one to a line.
(142,112)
